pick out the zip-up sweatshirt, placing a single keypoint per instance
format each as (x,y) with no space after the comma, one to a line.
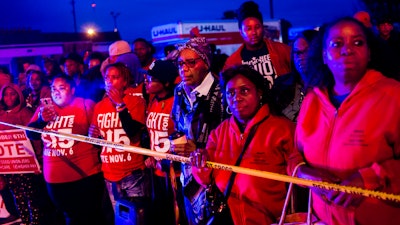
(362,135)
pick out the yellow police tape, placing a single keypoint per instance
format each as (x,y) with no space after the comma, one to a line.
(214,165)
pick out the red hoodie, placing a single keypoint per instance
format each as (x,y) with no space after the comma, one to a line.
(279,52)
(363,135)
(18,115)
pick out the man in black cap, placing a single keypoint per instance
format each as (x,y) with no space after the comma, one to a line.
(164,72)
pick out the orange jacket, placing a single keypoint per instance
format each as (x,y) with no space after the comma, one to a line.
(362,135)
(279,52)
(255,200)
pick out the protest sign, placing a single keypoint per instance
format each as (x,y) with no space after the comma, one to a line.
(16,153)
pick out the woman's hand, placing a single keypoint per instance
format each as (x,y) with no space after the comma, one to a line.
(47,113)
(184,149)
(199,158)
(94,131)
(309,173)
(116,96)
(348,200)
(29,100)
(150,162)
(201,173)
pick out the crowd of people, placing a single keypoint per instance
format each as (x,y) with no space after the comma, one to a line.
(308,109)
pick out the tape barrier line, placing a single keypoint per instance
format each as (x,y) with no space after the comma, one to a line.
(214,165)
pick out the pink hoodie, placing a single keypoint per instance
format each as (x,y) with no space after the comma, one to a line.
(362,135)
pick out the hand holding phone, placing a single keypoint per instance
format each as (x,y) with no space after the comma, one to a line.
(47,111)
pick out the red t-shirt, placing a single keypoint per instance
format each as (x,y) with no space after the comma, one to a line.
(160,126)
(66,160)
(117,164)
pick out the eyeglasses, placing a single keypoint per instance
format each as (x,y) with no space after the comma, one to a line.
(300,53)
(189,63)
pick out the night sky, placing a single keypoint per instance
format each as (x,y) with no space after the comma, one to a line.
(137,17)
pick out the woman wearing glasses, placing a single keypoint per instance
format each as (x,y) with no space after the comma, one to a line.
(196,111)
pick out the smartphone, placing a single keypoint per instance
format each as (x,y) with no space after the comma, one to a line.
(47,104)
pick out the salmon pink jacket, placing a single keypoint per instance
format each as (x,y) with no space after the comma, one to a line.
(362,135)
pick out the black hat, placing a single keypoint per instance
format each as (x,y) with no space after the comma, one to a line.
(246,10)
(75,57)
(164,71)
(384,19)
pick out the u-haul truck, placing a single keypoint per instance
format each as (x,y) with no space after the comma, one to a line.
(223,33)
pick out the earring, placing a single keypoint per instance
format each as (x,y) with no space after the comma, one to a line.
(228,110)
(261,102)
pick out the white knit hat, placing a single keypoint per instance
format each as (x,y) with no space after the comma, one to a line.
(119,48)
(33,67)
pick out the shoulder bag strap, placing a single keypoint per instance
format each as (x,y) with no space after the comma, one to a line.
(246,144)
(288,195)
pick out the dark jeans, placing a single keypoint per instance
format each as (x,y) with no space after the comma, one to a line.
(83,202)
(136,189)
(163,201)
(50,215)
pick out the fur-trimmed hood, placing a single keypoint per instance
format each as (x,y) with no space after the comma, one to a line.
(22,102)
